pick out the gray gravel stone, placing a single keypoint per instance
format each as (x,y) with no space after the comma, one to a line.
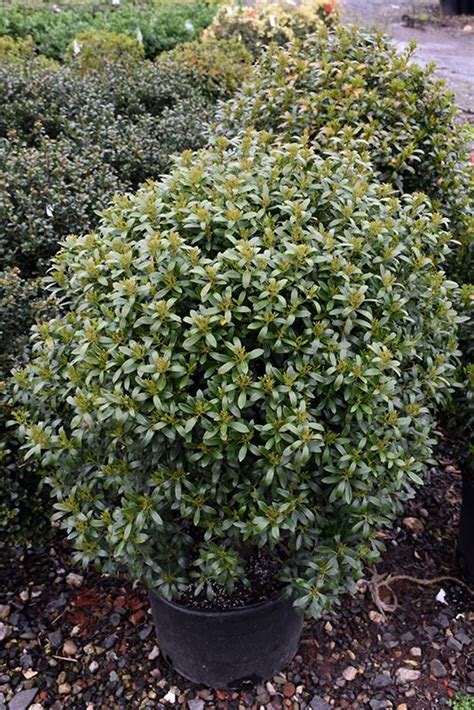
(23,699)
(5,631)
(317,703)
(115,619)
(55,638)
(443,621)
(437,668)
(110,641)
(463,638)
(381,681)
(26,661)
(145,632)
(196,704)
(431,631)
(454,644)
(379,704)
(407,675)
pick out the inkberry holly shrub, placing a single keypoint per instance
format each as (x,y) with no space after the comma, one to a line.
(252,356)
(352,83)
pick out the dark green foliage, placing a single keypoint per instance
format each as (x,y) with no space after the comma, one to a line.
(21,302)
(89,50)
(24,509)
(354,84)
(80,138)
(219,65)
(161,27)
(46,192)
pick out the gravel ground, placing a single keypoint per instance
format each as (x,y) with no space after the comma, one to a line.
(75,639)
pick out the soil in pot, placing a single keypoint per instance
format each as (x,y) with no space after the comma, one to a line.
(262,570)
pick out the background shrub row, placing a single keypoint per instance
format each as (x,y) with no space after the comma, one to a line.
(160,27)
(69,140)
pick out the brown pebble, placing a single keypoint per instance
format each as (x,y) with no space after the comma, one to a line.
(289,690)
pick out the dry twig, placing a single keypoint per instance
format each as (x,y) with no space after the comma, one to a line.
(378,582)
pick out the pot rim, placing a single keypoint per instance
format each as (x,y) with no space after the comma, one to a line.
(232,611)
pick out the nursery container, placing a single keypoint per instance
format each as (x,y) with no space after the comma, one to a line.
(229,648)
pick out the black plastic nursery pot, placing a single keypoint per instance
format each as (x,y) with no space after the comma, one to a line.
(230,648)
(466,528)
(457,7)
(449,7)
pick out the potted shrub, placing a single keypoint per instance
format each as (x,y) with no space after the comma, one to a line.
(240,395)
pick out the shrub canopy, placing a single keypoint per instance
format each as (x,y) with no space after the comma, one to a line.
(267,21)
(346,78)
(89,50)
(219,65)
(253,352)
(160,27)
(69,141)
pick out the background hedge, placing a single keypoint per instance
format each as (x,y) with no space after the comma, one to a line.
(159,27)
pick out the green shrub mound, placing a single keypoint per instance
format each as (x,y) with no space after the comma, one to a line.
(69,141)
(89,50)
(45,193)
(348,77)
(219,65)
(24,508)
(266,22)
(16,50)
(160,27)
(254,349)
